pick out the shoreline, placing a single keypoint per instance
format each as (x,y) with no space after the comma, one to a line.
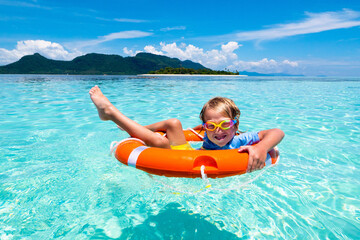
(195,75)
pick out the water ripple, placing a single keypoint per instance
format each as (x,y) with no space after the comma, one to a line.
(57,180)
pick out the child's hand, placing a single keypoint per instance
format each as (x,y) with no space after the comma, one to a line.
(257,157)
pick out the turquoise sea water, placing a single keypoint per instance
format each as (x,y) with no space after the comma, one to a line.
(57,179)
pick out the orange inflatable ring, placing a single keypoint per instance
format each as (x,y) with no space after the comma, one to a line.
(185,163)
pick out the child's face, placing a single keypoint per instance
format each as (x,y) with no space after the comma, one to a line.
(219,136)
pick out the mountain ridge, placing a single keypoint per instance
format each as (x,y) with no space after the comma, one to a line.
(96,64)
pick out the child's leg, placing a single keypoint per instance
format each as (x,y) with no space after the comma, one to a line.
(173,129)
(107,111)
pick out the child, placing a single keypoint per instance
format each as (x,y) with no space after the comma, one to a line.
(220,120)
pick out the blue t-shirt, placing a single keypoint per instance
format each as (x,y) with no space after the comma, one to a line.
(243,139)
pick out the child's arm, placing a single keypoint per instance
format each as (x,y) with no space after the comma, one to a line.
(257,153)
(198,127)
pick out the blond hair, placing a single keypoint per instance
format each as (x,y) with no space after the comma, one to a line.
(224,105)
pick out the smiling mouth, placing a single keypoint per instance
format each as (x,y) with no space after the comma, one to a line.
(221,137)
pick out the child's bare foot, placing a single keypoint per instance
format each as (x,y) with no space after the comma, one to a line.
(103,105)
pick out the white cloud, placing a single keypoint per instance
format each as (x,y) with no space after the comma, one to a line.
(151,49)
(173,28)
(124,35)
(111,37)
(126,20)
(130,52)
(212,58)
(129,20)
(290,63)
(265,66)
(314,23)
(22,4)
(48,49)
(221,59)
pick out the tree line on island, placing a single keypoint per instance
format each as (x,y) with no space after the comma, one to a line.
(203,71)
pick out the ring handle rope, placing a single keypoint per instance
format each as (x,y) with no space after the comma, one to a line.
(197,134)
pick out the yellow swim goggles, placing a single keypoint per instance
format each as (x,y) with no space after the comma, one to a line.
(224,125)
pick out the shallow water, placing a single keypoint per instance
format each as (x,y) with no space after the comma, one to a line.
(58,181)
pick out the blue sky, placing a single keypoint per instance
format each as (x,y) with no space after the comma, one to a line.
(298,37)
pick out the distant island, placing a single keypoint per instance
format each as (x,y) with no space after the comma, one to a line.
(96,64)
(191,71)
(103,64)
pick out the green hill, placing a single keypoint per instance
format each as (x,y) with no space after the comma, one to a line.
(96,64)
